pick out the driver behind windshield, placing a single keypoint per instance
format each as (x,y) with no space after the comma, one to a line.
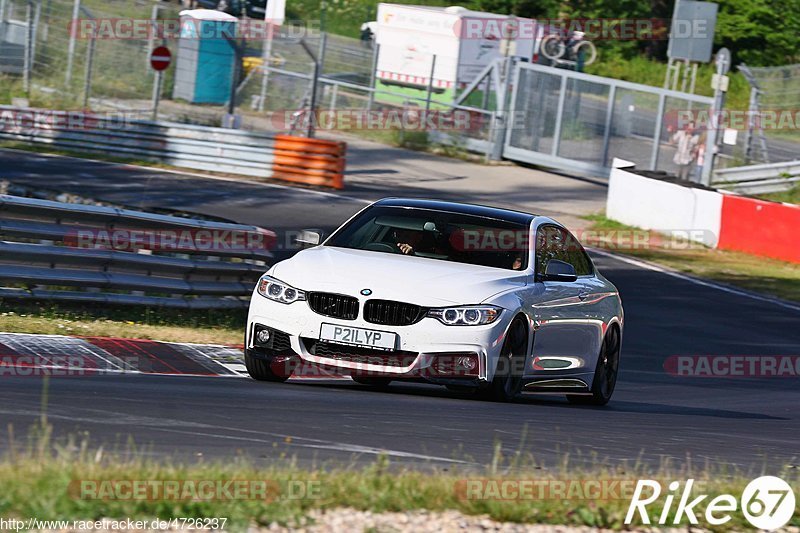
(408,241)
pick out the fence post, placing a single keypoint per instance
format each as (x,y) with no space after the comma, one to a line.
(430,87)
(87,80)
(76,10)
(37,13)
(312,105)
(562,97)
(334,95)
(504,70)
(372,76)
(662,101)
(612,95)
(265,55)
(323,44)
(28,60)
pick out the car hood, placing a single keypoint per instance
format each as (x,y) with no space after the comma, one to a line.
(417,280)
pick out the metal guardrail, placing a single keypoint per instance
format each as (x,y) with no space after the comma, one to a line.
(763,178)
(126,257)
(182,145)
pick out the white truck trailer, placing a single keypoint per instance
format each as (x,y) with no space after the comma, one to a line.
(463,42)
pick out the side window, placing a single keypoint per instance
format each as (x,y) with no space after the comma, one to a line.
(549,245)
(577,256)
(553,242)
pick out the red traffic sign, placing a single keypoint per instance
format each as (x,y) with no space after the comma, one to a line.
(160,58)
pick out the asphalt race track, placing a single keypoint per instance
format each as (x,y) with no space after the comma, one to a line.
(653,416)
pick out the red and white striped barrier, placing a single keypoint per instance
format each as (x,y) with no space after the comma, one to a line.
(718,219)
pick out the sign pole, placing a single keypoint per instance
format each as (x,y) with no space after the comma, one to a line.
(160,59)
(723,64)
(156,94)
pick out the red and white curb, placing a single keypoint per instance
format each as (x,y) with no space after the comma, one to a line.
(24,354)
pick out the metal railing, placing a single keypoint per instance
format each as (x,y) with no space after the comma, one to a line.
(755,179)
(181,145)
(85,253)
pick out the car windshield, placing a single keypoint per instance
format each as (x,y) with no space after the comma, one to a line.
(437,235)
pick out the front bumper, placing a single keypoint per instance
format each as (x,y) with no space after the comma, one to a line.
(427,350)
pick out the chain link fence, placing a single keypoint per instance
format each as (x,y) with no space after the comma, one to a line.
(70,54)
(94,54)
(57,54)
(773,135)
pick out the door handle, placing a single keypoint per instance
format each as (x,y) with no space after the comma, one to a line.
(583,295)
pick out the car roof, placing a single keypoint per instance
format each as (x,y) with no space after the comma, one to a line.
(497,213)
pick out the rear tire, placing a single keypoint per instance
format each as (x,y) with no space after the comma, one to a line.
(605,373)
(262,369)
(507,380)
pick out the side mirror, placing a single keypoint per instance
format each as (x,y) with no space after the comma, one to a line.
(308,238)
(559,271)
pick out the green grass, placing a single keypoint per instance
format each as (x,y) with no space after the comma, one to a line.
(177,325)
(792,196)
(760,274)
(42,478)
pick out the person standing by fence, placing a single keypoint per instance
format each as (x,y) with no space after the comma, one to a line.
(686,141)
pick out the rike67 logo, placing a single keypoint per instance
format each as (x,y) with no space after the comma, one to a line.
(767,502)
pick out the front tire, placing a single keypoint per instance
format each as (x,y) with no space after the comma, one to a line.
(507,381)
(265,369)
(605,373)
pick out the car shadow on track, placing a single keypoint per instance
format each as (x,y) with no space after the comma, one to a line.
(615,406)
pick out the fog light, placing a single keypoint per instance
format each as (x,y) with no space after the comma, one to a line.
(263,336)
(466,362)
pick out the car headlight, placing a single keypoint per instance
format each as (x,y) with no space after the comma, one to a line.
(275,289)
(470,315)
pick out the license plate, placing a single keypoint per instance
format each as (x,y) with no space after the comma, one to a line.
(370,338)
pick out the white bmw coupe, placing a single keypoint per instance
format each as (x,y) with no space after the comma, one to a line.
(471,297)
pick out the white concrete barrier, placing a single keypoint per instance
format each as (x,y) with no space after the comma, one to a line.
(680,211)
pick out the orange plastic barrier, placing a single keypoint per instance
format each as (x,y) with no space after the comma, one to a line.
(309,161)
